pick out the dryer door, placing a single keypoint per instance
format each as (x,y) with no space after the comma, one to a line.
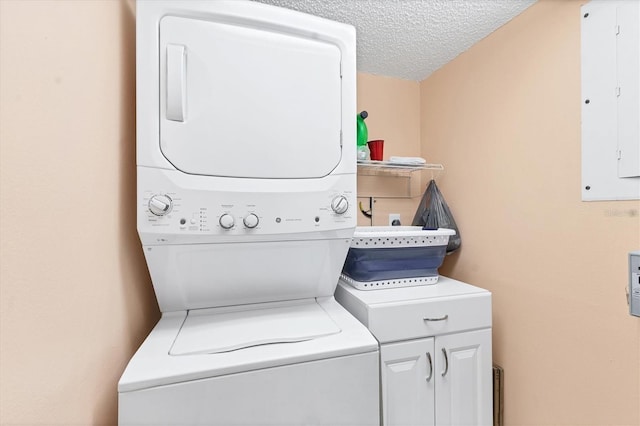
(248,102)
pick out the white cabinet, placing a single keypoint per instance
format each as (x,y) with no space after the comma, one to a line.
(463,379)
(435,351)
(407,382)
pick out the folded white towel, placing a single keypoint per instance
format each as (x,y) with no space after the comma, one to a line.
(408,160)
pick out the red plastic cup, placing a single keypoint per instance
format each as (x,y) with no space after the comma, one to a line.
(375,148)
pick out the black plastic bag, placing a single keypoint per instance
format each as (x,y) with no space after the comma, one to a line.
(433,213)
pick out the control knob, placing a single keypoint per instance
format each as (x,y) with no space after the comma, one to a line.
(251,221)
(227,221)
(340,204)
(160,205)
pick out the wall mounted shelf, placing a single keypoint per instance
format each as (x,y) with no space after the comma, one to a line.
(385,179)
(376,168)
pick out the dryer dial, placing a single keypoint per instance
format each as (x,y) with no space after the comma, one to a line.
(340,204)
(227,221)
(160,205)
(251,221)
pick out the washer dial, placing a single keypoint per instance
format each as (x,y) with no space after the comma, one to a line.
(227,221)
(160,204)
(340,204)
(251,221)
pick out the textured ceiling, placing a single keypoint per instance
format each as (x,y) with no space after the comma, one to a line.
(410,39)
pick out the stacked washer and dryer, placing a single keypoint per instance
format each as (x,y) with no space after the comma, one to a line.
(246,162)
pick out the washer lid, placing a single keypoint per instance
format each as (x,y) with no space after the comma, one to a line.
(252,102)
(206,332)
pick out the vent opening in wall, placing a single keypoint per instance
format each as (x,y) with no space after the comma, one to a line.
(498,395)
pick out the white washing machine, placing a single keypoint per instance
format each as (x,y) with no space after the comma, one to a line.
(246,208)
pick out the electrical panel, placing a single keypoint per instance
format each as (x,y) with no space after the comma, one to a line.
(610,58)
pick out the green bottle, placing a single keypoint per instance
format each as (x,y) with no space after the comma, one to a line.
(362,136)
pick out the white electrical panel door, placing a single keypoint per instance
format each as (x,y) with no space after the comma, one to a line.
(628,63)
(610,53)
(408,376)
(464,379)
(248,102)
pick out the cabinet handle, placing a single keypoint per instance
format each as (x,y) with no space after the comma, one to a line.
(446,362)
(430,366)
(436,319)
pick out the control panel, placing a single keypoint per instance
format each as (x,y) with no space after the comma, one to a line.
(171,211)
(174,211)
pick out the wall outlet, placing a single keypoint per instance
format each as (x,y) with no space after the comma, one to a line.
(634,283)
(394,217)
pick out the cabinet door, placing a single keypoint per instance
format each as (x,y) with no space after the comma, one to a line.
(463,379)
(408,375)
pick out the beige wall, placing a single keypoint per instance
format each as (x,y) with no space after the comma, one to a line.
(504,118)
(394,116)
(76,299)
(75,295)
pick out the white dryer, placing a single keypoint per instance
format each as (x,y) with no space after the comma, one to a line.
(246,208)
